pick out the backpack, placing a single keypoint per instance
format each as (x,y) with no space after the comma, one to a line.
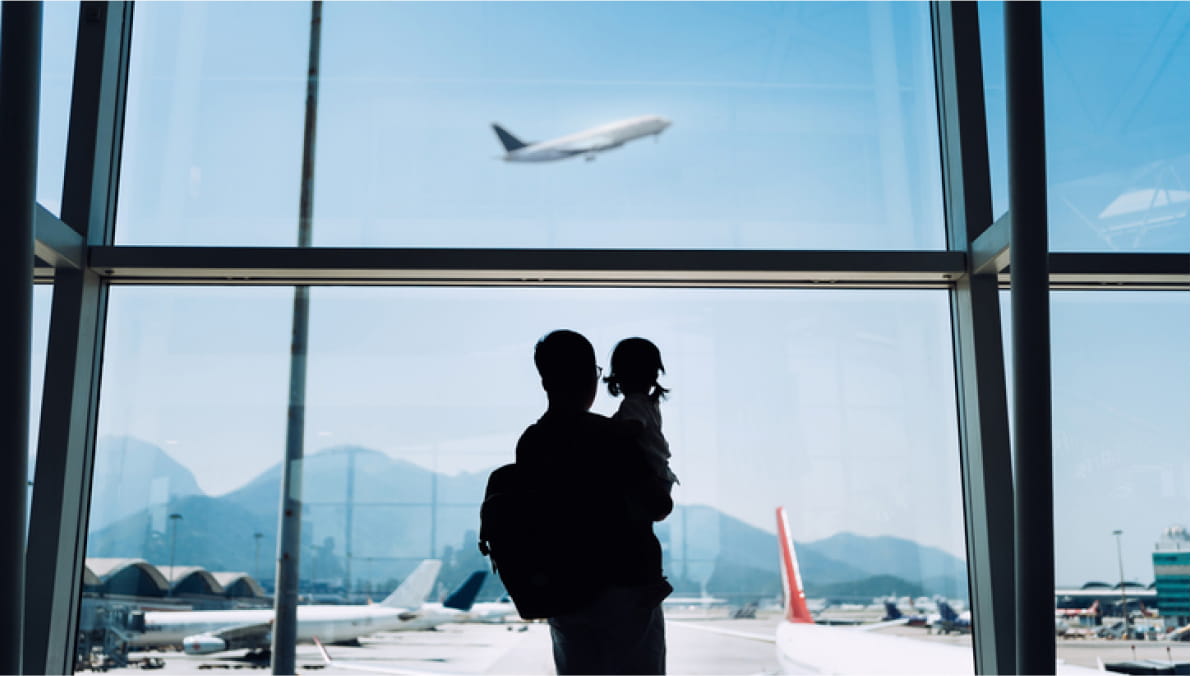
(537,553)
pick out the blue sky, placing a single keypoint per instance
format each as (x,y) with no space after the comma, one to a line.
(795,126)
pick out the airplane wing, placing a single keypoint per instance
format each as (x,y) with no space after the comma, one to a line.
(590,145)
(880,625)
(765,638)
(227,638)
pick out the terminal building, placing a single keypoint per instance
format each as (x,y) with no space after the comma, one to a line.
(1171,561)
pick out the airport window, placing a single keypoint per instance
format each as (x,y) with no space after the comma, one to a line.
(58,67)
(214,124)
(792,126)
(838,405)
(1117,115)
(811,344)
(41,333)
(1120,437)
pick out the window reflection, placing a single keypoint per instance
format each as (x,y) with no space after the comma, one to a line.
(59,21)
(1117,109)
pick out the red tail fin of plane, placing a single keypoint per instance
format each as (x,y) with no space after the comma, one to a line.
(794,593)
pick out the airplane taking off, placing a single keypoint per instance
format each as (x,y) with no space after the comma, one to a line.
(202,632)
(587,143)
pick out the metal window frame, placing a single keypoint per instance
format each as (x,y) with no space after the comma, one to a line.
(76,253)
(56,546)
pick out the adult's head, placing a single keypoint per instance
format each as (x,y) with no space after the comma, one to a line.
(567,364)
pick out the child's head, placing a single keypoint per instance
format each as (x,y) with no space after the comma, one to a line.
(634,368)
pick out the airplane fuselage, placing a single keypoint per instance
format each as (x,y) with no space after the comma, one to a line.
(328,623)
(590,141)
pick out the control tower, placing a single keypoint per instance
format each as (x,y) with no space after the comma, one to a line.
(1171,562)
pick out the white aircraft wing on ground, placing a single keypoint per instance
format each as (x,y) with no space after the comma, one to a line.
(802,645)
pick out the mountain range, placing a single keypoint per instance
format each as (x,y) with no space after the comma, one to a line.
(400,513)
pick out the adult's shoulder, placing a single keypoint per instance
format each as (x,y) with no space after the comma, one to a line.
(619,429)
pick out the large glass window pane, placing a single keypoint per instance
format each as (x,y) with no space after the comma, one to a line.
(838,405)
(1120,438)
(42,293)
(214,123)
(1117,109)
(793,125)
(59,30)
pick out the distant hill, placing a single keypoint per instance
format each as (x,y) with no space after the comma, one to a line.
(131,475)
(886,555)
(394,527)
(866,588)
(213,533)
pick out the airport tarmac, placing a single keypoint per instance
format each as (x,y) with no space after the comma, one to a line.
(693,647)
(507,649)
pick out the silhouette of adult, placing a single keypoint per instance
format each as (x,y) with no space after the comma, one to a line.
(594,477)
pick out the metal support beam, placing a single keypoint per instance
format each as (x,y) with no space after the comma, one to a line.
(70,397)
(55,242)
(62,482)
(976,332)
(20,73)
(990,250)
(1034,541)
(325,265)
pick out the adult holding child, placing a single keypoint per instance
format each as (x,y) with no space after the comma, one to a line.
(593,488)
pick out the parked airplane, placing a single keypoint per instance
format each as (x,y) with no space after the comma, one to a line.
(208,631)
(951,622)
(803,645)
(1092,611)
(894,613)
(458,607)
(491,612)
(587,143)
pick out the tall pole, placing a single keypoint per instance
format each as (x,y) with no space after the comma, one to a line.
(350,457)
(1117,534)
(20,66)
(283,638)
(1034,542)
(171,569)
(258,541)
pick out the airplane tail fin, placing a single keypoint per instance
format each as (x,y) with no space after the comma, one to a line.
(947,612)
(794,592)
(891,612)
(509,141)
(464,597)
(412,592)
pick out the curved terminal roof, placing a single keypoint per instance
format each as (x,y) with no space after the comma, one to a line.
(194,580)
(90,579)
(135,577)
(240,585)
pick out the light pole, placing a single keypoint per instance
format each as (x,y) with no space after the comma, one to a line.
(1117,534)
(258,540)
(175,517)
